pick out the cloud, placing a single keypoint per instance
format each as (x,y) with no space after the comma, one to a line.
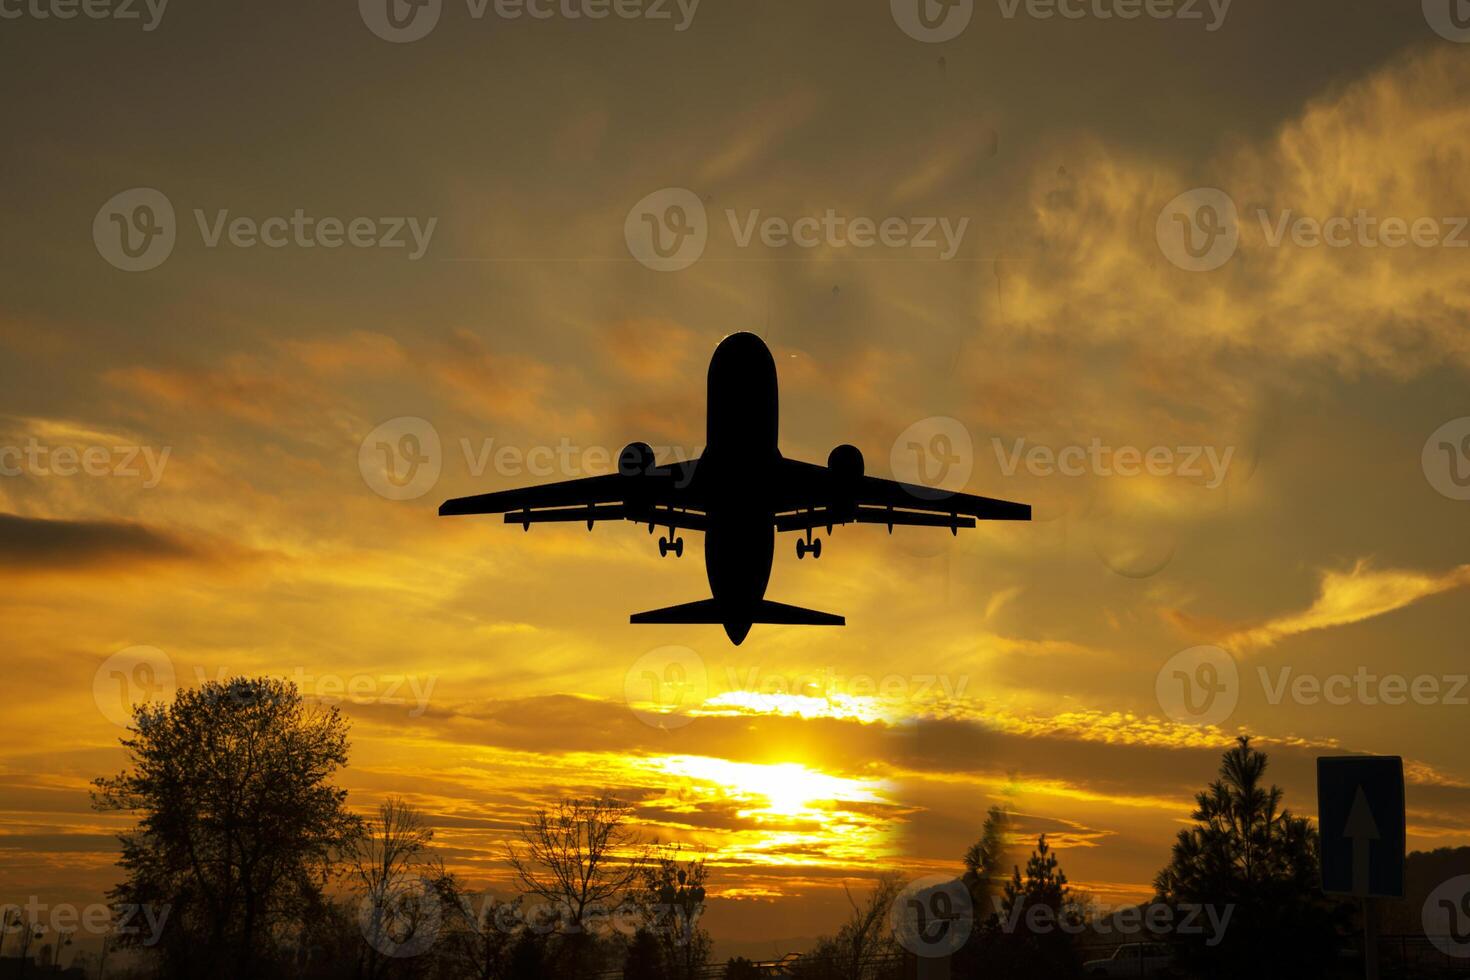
(240,386)
(653,349)
(753,136)
(1394,144)
(359,352)
(31,543)
(1351,597)
(498,386)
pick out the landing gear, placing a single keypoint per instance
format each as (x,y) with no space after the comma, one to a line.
(666,545)
(814,548)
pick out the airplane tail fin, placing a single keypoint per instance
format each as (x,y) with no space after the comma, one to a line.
(737,622)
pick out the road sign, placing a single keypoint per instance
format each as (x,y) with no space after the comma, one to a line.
(1360,815)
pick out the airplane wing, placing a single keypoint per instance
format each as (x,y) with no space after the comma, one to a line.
(658,497)
(812,496)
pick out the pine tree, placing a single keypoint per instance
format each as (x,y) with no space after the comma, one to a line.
(1250,857)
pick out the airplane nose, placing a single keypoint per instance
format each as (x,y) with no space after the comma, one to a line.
(736,632)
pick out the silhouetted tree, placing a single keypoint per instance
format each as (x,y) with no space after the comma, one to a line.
(577,855)
(645,960)
(984,878)
(528,958)
(239,821)
(484,937)
(581,857)
(985,863)
(740,968)
(864,938)
(671,899)
(1251,856)
(400,910)
(1039,918)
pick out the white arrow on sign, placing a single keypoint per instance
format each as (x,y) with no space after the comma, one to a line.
(1360,829)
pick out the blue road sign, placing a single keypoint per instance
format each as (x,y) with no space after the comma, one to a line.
(1360,814)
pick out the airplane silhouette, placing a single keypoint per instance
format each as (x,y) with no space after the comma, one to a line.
(740,492)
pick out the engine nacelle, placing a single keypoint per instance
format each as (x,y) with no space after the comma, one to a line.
(636,459)
(846,463)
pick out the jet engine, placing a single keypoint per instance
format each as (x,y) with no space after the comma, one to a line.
(636,459)
(846,463)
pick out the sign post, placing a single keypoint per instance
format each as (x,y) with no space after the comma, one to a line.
(1360,819)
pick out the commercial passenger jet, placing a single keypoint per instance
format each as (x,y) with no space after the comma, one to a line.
(739,493)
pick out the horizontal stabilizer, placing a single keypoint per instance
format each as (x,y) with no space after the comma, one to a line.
(703,611)
(711,611)
(779,612)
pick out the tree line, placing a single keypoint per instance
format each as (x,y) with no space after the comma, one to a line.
(249,851)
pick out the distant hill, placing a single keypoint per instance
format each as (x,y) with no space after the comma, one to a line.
(1424,872)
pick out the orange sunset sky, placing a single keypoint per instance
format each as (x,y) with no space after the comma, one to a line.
(487,671)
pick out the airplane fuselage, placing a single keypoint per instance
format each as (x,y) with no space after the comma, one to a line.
(733,477)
